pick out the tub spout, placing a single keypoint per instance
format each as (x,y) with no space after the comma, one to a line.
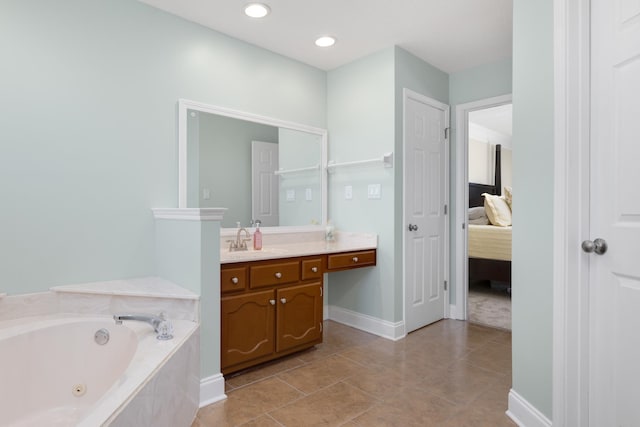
(160,324)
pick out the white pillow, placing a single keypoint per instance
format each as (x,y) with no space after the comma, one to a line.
(508,196)
(497,210)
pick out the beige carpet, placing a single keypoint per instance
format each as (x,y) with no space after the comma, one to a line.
(489,306)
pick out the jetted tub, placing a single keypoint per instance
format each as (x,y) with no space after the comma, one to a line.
(54,373)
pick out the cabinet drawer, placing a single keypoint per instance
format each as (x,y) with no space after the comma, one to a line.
(233,279)
(349,260)
(312,269)
(274,274)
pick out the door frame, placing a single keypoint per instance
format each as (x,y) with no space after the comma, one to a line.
(571,212)
(459,309)
(406,94)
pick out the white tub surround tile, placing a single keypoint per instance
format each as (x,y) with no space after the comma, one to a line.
(27,305)
(171,397)
(154,287)
(287,245)
(151,295)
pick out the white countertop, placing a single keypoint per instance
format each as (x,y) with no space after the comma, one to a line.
(344,242)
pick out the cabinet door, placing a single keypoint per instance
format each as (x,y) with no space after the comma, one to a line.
(299,316)
(247,327)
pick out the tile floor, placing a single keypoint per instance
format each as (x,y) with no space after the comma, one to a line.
(449,374)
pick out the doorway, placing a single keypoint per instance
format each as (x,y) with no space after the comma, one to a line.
(489,165)
(483,270)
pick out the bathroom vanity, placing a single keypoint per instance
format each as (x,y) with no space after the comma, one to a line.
(272,301)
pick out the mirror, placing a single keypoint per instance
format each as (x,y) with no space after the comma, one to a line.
(257,167)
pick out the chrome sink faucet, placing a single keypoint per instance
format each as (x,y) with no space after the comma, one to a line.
(160,324)
(240,244)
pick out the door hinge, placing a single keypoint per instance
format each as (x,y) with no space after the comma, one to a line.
(446,133)
(445,209)
(463,225)
(445,285)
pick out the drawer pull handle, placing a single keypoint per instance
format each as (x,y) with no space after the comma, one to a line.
(355,259)
(278,275)
(314,269)
(272,302)
(234,280)
(283,300)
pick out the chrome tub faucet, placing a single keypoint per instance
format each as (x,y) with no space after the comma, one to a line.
(160,324)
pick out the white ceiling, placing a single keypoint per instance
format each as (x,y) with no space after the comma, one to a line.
(498,119)
(451,35)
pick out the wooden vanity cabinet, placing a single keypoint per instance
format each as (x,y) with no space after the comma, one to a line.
(279,312)
(275,307)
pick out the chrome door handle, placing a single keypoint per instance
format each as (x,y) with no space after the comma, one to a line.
(599,246)
(413,227)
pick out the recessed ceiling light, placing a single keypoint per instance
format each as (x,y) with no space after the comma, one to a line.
(256,10)
(325,41)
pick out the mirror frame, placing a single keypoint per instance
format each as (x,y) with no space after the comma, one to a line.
(184,105)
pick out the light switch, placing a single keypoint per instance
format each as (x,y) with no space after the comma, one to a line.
(373,191)
(291,195)
(307,194)
(206,193)
(348,192)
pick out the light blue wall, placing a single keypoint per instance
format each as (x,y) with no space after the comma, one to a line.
(473,84)
(361,118)
(365,121)
(228,176)
(88,128)
(533,140)
(184,250)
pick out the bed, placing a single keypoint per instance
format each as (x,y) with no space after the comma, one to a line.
(489,246)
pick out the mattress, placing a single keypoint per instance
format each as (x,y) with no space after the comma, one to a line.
(490,242)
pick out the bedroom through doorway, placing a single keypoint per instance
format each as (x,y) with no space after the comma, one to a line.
(489,223)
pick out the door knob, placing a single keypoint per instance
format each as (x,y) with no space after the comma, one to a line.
(413,227)
(599,246)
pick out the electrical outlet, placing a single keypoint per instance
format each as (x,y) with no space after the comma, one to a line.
(291,195)
(206,193)
(307,194)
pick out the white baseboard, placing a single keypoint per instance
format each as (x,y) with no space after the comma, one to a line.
(212,390)
(524,413)
(455,312)
(382,328)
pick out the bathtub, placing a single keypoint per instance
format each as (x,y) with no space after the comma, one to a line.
(54,373)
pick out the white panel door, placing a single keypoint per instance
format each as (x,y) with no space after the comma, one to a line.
(424,199)
(264,183)
(614,288)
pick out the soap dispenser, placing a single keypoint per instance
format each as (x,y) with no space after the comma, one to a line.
(257,237)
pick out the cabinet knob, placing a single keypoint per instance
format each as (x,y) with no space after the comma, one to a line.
(278,275)
(355,259)
(283,300)
(234,280)
(272,302)
(314,269)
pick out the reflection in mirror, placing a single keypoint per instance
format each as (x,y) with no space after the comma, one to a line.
(256,167)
